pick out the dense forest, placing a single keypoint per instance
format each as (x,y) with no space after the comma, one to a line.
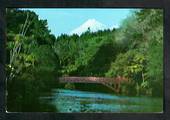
(36,58)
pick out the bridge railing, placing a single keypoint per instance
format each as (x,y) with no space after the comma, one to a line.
(86,79)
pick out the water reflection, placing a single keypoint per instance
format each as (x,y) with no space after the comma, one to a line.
(82,101)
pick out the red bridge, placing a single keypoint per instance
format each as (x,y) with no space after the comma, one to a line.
(112,83)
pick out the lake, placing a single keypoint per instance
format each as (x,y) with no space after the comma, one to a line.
(68,101)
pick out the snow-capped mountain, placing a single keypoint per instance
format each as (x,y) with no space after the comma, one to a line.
(93,24)
(114,26)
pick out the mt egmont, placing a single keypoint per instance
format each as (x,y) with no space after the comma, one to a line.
(91,24)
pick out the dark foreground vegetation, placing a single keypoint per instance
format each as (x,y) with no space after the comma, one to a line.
(36,58)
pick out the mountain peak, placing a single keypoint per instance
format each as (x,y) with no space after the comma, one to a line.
(93,24)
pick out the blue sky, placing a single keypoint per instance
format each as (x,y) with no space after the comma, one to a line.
(66,20)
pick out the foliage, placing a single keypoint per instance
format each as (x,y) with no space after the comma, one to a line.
(69,86)
(142,33)
(32,63)
(36,58)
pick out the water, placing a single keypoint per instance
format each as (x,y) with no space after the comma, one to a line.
(69,101)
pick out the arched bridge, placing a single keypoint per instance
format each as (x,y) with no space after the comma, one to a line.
(112,83)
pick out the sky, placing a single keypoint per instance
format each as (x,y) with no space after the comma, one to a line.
(62,21)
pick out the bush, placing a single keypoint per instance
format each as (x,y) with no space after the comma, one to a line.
(69,86)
